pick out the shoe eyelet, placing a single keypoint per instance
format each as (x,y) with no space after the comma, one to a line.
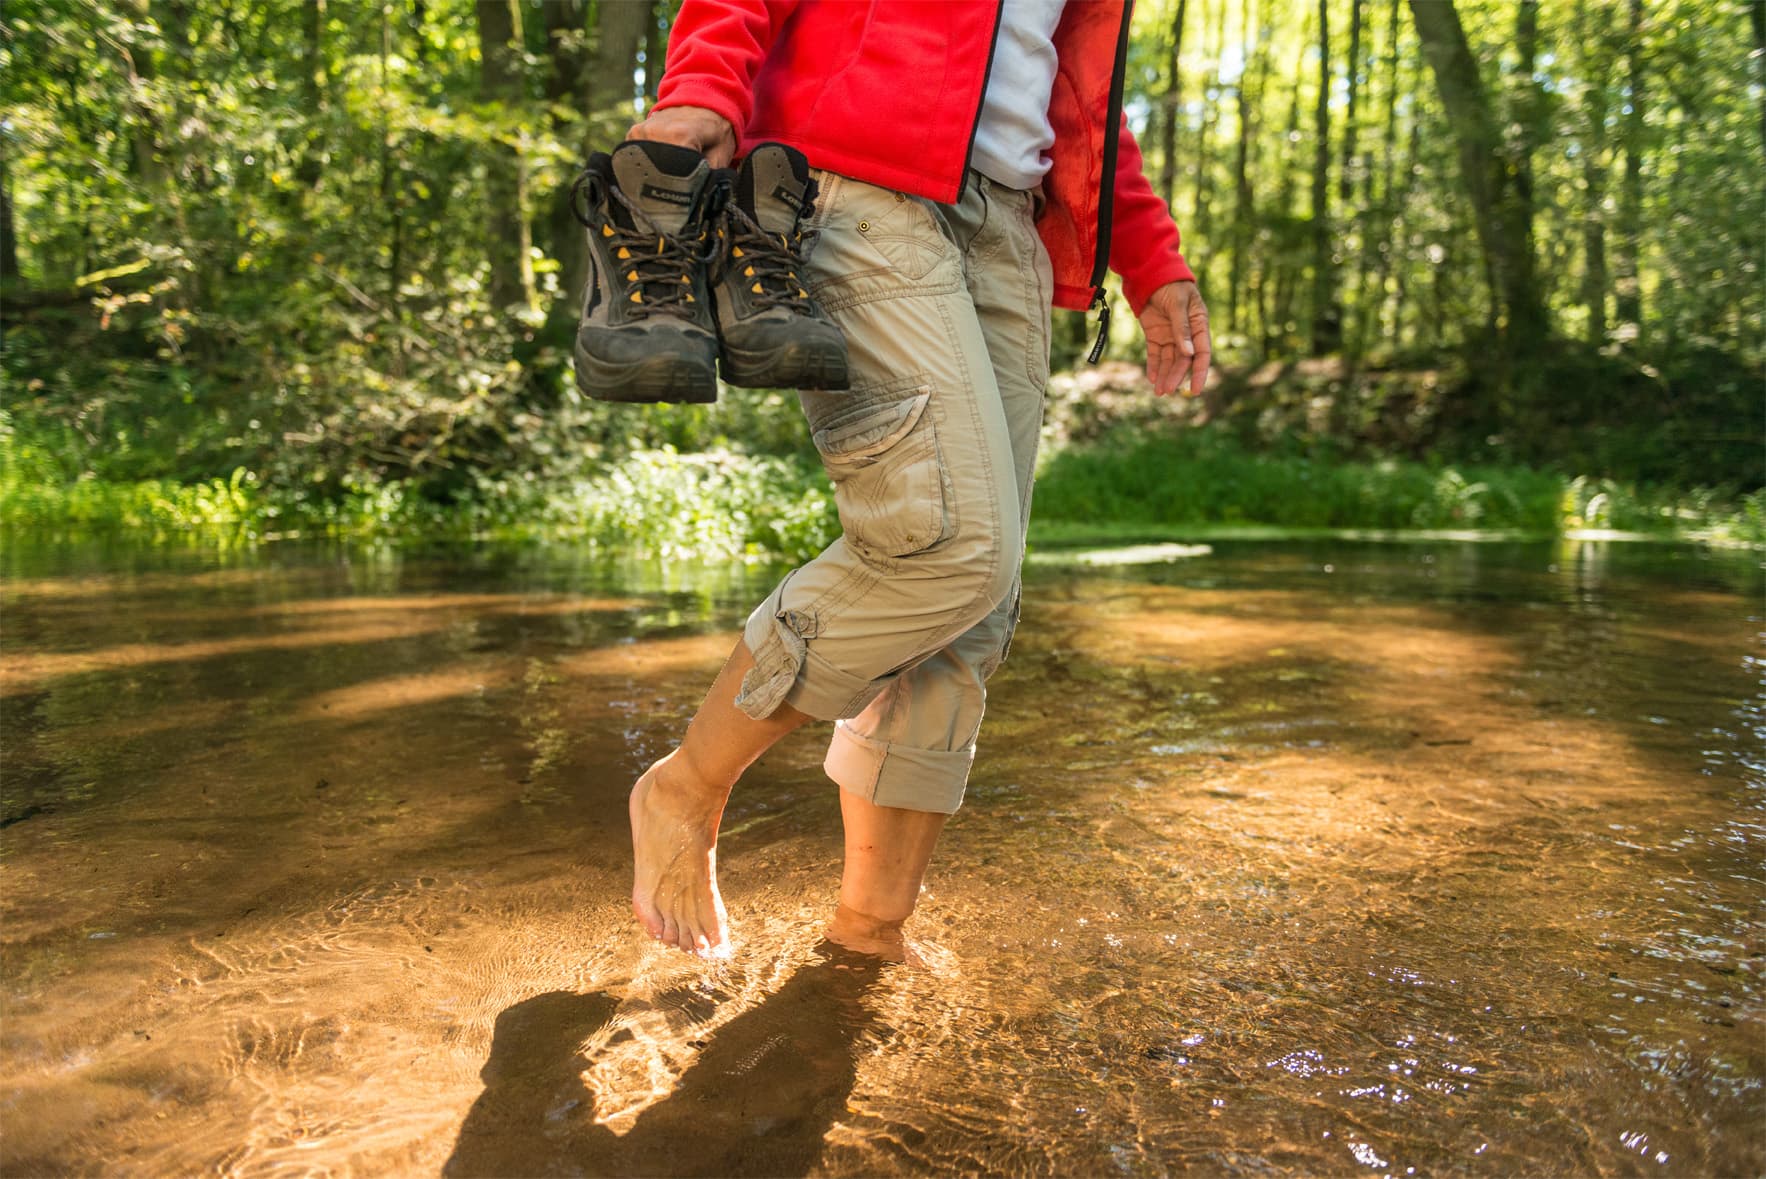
(864,227)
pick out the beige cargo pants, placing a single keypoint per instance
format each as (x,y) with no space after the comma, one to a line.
(893,630)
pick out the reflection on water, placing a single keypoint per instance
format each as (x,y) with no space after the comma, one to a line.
(1303,857)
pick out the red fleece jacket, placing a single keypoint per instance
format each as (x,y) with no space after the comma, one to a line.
(889,92)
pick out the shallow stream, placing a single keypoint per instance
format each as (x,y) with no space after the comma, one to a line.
(1299,858)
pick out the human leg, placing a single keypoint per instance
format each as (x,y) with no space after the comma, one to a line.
(677,805)
(903,762)
(887,852)
(924,481)
(913,745)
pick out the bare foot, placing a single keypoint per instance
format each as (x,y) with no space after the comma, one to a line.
(875,938)
(674,846)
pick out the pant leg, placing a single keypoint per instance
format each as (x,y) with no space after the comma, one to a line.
(920,457)
(913,745)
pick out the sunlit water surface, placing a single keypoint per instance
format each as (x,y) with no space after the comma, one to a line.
(1327,858)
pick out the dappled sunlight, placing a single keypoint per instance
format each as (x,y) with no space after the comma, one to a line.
(305,623)
(170,614)
(694,654)
(21,673)
(109,585)
(388,693)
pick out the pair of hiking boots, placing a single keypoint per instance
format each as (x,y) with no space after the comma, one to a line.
(692,268)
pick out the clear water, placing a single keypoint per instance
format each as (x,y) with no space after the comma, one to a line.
(1296,858)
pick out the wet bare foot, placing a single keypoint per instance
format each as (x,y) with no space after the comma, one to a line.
(875,938)
(674,846)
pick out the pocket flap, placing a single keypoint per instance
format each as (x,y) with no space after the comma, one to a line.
(872,429)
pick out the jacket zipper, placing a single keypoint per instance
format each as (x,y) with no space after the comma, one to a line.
(999,15)
(1107,194)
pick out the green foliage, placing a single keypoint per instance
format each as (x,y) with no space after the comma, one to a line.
(661,502)
(1205,477)
(723,504)
(253,280)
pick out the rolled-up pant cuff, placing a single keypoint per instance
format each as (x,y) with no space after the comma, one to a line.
(898,775)
(787,671)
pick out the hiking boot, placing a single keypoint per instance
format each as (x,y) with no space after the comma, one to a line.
(773,335)
(647,331)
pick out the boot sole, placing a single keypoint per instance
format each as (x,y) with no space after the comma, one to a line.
(795,365)
(679,380)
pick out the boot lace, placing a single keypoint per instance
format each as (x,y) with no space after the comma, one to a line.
(765,262)
(657,267)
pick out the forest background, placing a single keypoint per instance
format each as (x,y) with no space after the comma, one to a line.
(273,266)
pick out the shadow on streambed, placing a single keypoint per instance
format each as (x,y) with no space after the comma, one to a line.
(758,1100)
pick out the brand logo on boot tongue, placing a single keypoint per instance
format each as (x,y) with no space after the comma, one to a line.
(671,196)
(790,198)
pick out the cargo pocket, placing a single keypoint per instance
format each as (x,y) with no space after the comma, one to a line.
(889,478)
(908,237)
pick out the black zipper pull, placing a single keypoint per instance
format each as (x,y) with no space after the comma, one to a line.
(1103,306)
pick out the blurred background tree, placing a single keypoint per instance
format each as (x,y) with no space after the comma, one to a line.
(329,241)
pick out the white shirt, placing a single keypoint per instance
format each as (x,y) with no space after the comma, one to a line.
(1013,136)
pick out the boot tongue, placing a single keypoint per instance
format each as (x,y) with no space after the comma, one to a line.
(662,179)
(773,187)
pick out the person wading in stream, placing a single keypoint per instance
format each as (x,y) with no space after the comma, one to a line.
(973,168)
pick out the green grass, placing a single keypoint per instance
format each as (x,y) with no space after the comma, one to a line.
(1203,479)
(1132,484)
(659,502)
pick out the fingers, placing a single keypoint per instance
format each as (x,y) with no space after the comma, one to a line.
(1175,326)
(1199,371)
(705,131)
(1186,347)
(1202,345)
(1179,373)
(1161,368)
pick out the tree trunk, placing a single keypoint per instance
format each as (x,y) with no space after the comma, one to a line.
(160,154)
(313,79)
(655,48)
(1529,104)
(8,238)
(1346,178)
(1757,12)
(1628,295)
(1596,64)
(392,199)
(1500,210)
(1401,234)
(1282,258)
(1389,208)
(312,63)
(144,138)
(1327,315)
(507,238)
(1241,182)
(1173,104)
(567,94)
(1351,168)
(612,80)
(1204,225)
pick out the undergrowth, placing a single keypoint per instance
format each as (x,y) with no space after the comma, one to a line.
(723,503)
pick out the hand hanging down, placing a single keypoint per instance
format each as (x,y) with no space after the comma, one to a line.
(1176,326)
